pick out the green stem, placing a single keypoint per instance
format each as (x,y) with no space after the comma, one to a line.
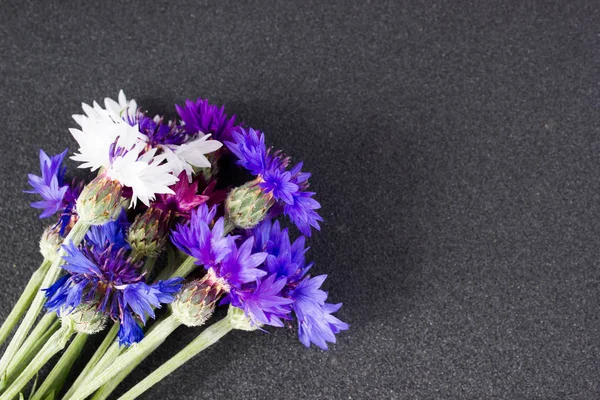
(110,386)
(76,236)
(109,356)
(149,265)
(32,346)
(98,355)
(228,227)
(134,354)
(54,381)
(24,301)
(55,344)
(207,338)
(186,268)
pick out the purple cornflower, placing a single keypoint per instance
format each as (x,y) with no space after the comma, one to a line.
(266,276)
(57,197)
(103,274)
(212,249)
(239,266)
(160,132)
(287,186)
(201,116)
(250,149)
(197,239)
(284,258)
(236,268)
(263,302)
(279,182)
(289,288)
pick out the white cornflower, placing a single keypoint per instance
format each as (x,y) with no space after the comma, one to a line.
(110,139)
(107,141)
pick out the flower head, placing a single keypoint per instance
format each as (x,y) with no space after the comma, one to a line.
(104,275)
(201,116)
(250,149)
(197,239)
(57,196)
(286,185)
(50,185)
(263,302)
(286,289)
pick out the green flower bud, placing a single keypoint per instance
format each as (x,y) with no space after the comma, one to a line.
(85,318)
(100,201)
(50,243)
(239,320)
(247,205)
(195,303)
(147,235)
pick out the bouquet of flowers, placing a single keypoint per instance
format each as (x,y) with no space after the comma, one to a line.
(183,213)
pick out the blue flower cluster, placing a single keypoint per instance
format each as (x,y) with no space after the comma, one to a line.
(100,272)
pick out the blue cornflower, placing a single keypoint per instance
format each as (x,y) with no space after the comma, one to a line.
(212,249)
(315,322)
(287,186)
(284,258)
(113,232)
(239,266)
(279,182)
(106,276)
(50,185)
(197,239)
(321,327)
(201,116)
(288,289)
(250,149)
(302,212)
(57,197)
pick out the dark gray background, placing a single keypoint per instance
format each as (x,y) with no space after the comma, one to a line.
(455,150)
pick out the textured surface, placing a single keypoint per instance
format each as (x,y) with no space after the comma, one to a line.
(455,150)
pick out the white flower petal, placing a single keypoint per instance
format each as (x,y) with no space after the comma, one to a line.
(99,130)
(193,152)
(145,179)
(176,164)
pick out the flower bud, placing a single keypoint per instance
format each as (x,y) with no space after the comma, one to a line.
(147,235)
(85,318)
(195,303)
(99,201)
(247,205)
(239,320)
(50,243)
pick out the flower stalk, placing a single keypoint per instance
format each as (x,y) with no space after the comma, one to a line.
(109,339)
(207,338)
(135,354)
(33,286)
(47,326)
(55,344)
(55,380)
(76,235)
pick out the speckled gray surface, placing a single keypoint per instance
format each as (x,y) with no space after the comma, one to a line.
(455,149)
